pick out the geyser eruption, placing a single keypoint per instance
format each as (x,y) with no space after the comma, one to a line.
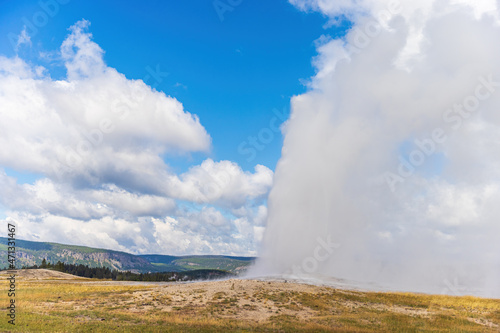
(390,170)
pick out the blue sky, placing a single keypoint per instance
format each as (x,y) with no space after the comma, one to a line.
(194,184)
(231,73)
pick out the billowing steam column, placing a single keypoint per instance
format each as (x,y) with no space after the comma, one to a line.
(390,171)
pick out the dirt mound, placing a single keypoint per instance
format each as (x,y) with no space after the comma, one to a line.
(41,274)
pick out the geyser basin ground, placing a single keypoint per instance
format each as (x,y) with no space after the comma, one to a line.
(449,288)
(59,303)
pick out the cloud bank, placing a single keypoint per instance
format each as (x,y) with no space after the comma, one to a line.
(392,154)
(100,143)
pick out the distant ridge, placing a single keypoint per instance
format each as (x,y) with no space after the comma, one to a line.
(31,253)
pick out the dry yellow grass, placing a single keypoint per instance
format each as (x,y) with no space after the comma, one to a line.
(64,304)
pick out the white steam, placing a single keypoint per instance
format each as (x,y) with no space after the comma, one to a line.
(390,171)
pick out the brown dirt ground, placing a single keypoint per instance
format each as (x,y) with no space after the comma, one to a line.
(41,274)
(256,300)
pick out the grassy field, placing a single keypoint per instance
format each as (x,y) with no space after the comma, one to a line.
(69,305)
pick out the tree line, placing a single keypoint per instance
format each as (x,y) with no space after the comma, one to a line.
(116,275)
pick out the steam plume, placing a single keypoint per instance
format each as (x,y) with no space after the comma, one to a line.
(393,155)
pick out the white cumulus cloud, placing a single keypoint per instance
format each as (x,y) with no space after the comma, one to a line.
(100,145)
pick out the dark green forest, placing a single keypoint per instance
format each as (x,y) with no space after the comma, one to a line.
(115,275)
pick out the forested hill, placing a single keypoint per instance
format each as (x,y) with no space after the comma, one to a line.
(32,253)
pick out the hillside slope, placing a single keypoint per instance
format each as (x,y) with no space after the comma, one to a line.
(30,253)
(226,263)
